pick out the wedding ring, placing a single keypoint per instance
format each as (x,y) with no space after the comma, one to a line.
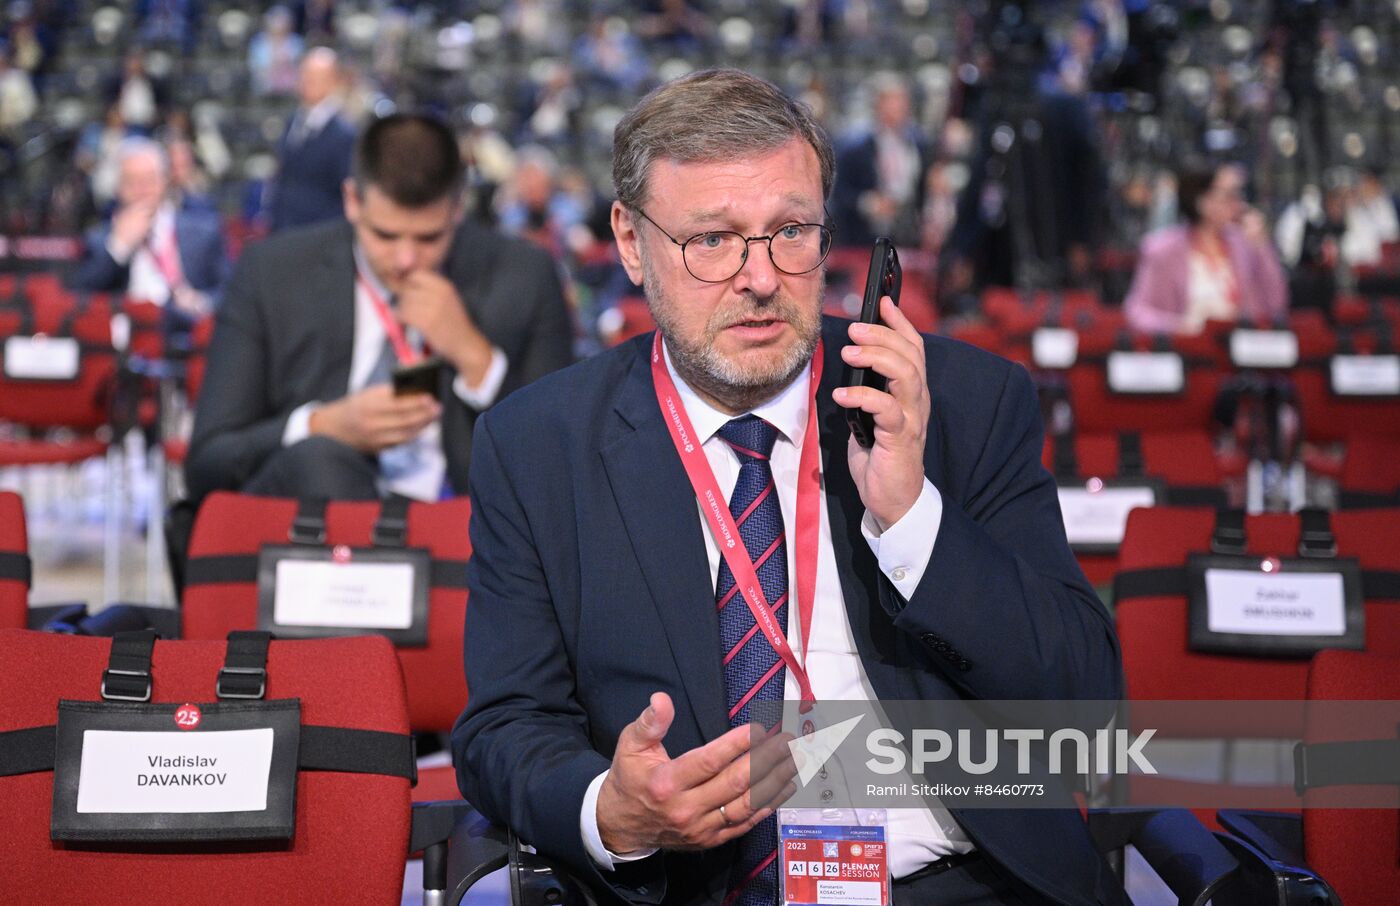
(724,816)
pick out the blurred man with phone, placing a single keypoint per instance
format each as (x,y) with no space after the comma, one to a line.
(301,397)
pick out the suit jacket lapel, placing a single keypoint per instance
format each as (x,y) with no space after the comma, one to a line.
(663,524)
(333,298)
(856,565)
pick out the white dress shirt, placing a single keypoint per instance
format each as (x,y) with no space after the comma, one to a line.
(917,836)
(146,281)
(424,480)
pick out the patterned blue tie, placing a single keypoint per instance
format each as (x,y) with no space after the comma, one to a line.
(753,671)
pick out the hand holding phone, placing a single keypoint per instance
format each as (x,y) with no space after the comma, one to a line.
(420,377)
(884,279)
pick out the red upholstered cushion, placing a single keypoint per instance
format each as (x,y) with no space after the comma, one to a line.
(1372,464)
(14,594)
(1153,630)
(1357,850)
(236,524)
(1096,409)
(351,833)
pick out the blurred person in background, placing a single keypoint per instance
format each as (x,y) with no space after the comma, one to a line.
(274,54)
(152,249)
(174,22)
(880,173)
(188,183)
(139,95)
(1219,265)
(533,204)
(608,57)
(18,102)
(299,400)
(96,154)
(313,158)
(1371,219)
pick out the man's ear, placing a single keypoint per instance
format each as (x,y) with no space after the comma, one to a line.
(629,252)
(350,199)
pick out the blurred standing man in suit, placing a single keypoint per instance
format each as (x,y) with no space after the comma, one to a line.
(152,249)
(931,566)
(880,175)
(313,158)
(298,400)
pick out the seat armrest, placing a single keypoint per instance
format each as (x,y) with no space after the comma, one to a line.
(1182,851)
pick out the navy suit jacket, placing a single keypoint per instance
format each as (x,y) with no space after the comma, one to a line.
(590,589)
(309,176)
(199,234)
(857,173)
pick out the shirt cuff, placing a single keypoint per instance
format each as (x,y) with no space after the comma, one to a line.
(298,426)
(120,253)
(903,550)
(484,393)
(593,840)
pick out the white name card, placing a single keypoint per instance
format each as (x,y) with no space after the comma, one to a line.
(1263,348)
(1253,602)
(41,358)
(850,893)
(1146,372)
(344,595)
(1054,347)
(1100,516)
(143,772)
(1366,375)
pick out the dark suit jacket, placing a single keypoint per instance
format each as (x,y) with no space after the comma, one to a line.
(309,176)
(857,173)
(199,234)
(285,333)
(590,590)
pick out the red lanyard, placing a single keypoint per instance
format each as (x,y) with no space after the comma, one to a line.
(392,329)
(726,533)
(167,259)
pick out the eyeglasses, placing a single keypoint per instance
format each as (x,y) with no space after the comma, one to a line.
(717,256)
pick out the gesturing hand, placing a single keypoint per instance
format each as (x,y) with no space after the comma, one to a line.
(650,800)
(890,474)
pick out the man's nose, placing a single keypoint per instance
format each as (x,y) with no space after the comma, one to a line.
(758,274)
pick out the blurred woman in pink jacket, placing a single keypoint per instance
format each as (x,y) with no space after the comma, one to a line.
(1217,266)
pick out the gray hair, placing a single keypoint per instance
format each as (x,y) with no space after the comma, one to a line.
(713,115)
(138,145)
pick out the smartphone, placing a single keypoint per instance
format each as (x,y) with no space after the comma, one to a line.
(420,377)
(883,280)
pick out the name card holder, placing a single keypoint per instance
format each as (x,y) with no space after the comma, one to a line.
(1145,373)
(316,592)
(1365,376)
(1273,607)
(42,358)
(1263,348)
(139,773)
(1096,511)
(1054,348)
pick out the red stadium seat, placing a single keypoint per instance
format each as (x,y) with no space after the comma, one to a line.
(1357,850)
(351,833)
(14,562)
(1098,409)
(1183,461)
(1371,472)
(1152,622)
(221,592)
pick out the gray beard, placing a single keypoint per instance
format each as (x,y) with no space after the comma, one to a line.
(722,382)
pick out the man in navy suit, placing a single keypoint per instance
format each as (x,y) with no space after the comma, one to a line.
(313,158)
(879,188)
(153,249)
(613,647)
